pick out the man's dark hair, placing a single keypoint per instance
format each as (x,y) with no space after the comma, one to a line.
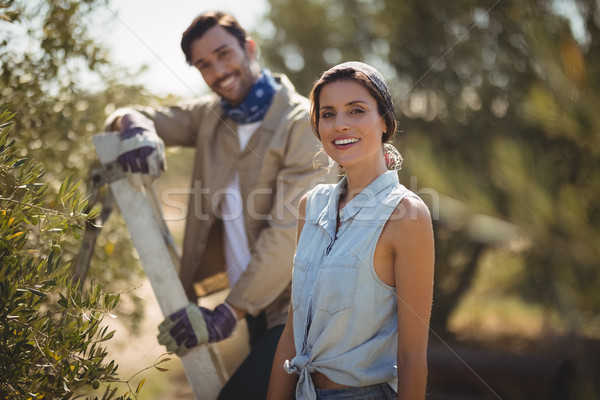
(203,23)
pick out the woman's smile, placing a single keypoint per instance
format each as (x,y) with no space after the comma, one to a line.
(350,126)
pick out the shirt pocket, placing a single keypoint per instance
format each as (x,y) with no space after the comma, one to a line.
(299,273)
(338,279)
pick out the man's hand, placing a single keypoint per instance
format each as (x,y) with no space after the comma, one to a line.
(140,150)
(193,325)
(220,322)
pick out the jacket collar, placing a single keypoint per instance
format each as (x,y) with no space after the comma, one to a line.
(281,101)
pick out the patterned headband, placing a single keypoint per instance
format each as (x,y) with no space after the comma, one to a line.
(374,76)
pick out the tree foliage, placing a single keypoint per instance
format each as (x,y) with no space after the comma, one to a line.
(52,343)
(51,337)
(497,106)
(49,59)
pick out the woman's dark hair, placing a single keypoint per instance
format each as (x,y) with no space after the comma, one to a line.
(203,23)
(384,106)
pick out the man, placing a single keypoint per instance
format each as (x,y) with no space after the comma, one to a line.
(255,157)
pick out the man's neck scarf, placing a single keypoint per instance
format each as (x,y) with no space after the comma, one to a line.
(256,104)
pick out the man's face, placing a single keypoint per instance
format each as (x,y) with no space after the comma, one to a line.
(227,68)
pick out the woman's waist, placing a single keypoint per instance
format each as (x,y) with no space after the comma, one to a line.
(348,371)
(320,381)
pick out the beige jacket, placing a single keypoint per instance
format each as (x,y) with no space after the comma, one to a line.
(276,168)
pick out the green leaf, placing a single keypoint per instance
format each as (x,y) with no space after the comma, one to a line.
(64,186)
(37,292)
(108,394)
(139,386)
(107,336)
(18,163)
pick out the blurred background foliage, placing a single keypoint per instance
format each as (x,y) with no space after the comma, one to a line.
(497,103)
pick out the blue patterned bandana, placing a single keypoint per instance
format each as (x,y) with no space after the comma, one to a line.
(256,104)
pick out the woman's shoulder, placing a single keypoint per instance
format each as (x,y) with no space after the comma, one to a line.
(410,215)
(410,208)
(395,194)
(408,229)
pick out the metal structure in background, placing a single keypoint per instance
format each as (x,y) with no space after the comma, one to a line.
(138,202)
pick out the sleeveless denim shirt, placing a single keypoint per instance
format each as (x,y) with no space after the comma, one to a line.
(345,317)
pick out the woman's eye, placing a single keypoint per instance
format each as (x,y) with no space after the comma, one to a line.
(356,111)
(326,114)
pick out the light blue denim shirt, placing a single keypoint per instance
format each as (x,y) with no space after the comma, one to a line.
(345,317)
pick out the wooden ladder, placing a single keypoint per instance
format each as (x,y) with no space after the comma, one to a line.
(158,254)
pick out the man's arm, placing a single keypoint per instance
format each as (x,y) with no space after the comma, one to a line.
(176,125)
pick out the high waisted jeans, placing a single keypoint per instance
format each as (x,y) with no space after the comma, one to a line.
(382,391)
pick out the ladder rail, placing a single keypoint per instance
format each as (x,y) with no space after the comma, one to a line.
(141,211)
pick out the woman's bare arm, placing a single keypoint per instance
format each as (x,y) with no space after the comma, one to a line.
(413,274)
(281,384)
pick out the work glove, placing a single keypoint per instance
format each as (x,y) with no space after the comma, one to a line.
(193,325)
(140,148)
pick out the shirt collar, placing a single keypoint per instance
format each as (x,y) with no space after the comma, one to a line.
(366,198)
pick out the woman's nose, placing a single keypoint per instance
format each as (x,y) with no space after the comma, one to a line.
(341,122)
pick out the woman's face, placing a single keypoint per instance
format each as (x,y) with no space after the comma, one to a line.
(350,126)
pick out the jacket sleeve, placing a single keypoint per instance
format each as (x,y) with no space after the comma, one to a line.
(269,272)
(176,125)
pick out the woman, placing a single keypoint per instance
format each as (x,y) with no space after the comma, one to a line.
(363,269)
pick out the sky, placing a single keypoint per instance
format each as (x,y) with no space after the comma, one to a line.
(149,32)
